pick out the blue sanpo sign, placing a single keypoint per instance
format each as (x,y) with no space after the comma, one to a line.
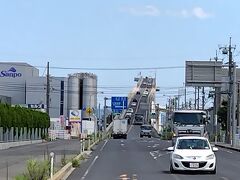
(118,104)
(12,72)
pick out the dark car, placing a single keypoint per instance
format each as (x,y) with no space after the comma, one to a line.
(139,119)
(138,93)
(134,100)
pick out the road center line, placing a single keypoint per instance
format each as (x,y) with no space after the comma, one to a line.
(223,178)
(104,145)
(130,129)
(89,168)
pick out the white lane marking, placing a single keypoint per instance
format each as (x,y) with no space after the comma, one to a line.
(130,129)
(226,151)
(104,145)
(223,178)
(149,146)
(152,154)
(122,144)
(89,168)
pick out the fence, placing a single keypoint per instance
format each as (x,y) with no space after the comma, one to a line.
(58,134)
(21,134)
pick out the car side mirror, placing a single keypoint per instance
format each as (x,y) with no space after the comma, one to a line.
(170,148)
(215,149)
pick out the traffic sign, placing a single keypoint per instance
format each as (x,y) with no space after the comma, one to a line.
(118,104)
(89,110)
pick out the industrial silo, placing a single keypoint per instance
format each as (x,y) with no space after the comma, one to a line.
(73,92)
(89,90)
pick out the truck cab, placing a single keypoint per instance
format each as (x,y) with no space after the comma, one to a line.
(189,123)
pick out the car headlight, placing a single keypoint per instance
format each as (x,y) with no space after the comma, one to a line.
(176,156)
(211,156)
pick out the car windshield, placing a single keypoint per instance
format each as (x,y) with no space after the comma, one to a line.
(146,127)
(192,144)
(187,118)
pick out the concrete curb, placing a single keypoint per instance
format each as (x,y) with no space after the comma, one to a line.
(227,147)
(7,145)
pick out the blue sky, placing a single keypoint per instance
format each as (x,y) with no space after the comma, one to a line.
(117,34)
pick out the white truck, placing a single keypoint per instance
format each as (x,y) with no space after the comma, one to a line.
(120,128)
(189,123)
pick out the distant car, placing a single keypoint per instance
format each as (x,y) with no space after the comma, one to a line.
(138,93)
(146,130)
(130,110)
(128,114)
(192,153)
(134,100)
(134,104)
(139,119)
(145,93)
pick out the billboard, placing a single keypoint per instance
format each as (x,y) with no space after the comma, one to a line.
(203,73)
(75,115)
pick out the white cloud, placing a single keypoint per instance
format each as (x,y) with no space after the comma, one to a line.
(200,13)
(148,10)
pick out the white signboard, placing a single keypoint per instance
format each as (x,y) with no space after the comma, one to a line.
(87,127)
(75,115)
(203,73)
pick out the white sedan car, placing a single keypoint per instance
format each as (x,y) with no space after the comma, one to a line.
(145,93)
(193,154)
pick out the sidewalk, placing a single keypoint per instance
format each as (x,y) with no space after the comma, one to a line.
(227,146)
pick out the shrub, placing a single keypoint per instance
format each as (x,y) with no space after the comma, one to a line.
(21,177)
(75,163)
(36,170)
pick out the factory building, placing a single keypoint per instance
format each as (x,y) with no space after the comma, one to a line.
(21,84)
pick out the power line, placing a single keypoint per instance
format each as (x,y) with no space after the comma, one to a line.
(95,68)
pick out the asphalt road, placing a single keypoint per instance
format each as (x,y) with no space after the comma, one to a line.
(13,160)
(146,159)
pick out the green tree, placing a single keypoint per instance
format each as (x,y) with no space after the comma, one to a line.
(222,115)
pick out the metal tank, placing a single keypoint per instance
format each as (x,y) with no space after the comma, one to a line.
(73,92)
(89,92)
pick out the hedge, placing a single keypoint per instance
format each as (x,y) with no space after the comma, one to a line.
(22,117)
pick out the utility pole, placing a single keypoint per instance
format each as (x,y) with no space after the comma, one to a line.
(48,89)
(230,73)
(234,97)
(198,97)
(231,129)
(99,116)
(238,107)
(104,113)
(195,97)
(185,96)
(203,98)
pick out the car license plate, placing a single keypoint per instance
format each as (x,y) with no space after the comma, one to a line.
(194,165)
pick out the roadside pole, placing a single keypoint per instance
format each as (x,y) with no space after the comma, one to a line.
(234,97)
